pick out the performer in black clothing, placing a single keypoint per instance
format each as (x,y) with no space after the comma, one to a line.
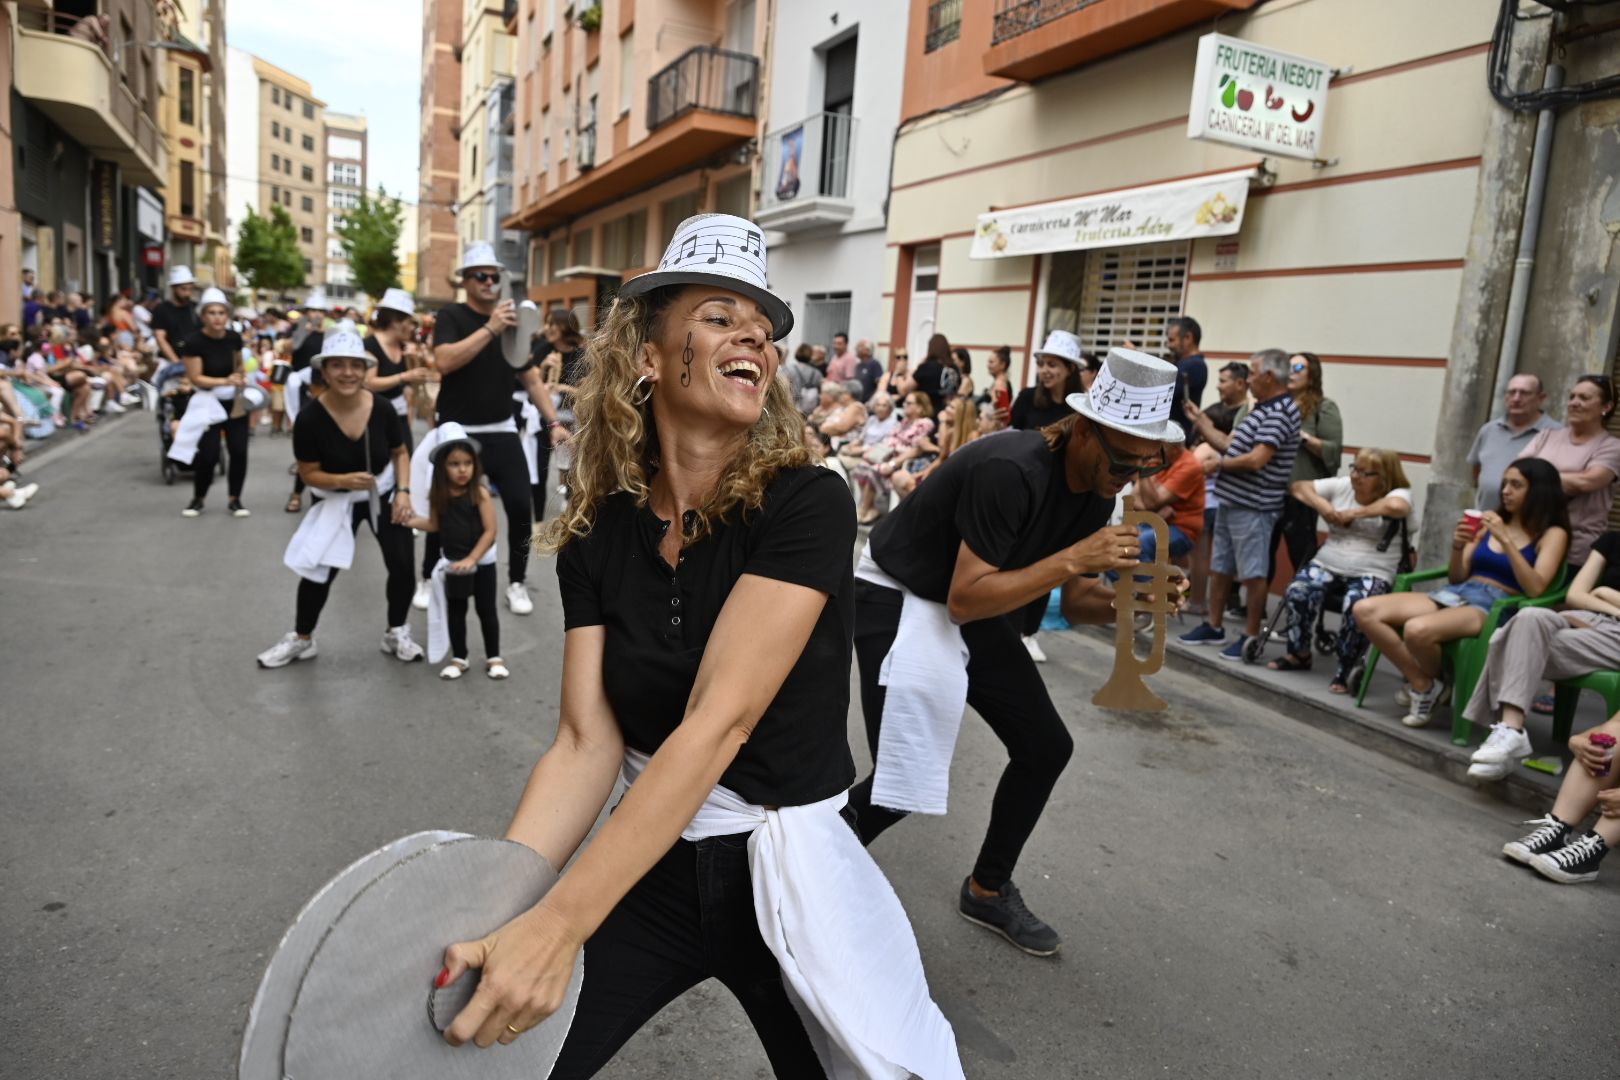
(213,359)
(392,325)
(476,391)
(1003,521)
(561,342)
(175,319)
(309,335)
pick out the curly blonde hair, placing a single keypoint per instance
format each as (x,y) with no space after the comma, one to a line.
(616,442)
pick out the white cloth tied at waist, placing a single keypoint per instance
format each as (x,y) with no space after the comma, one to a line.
(292,395)
(325,541)
(422,464)
(925,674)
(438,642)
(530,433)
(400,406)
(203,411)
(848,956)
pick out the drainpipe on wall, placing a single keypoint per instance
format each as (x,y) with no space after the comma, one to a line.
(1507,360)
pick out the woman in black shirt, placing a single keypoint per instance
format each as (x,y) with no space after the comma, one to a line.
(392,325)
(351,452)
(564,352)
(213,359)
(704,565)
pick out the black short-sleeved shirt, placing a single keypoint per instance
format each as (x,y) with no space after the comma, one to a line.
(1005,495)
(1026,415)
(658,623)
(938,382)
(1608,546)
(480,392)
(308,349)
(219,355)
(177,321)
(318,439)
(385,366)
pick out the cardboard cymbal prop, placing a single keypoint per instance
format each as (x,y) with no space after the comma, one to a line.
(515,339)
(362,1001)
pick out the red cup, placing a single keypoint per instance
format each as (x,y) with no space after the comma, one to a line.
(1604,741)
(1475,519)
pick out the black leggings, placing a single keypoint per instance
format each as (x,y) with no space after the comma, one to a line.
(483,597)
(542,466)
(203,465)
(690,919)
(395,542)
(501,453)
(1005,688)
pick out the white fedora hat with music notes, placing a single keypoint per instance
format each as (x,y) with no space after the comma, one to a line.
(1132,393)
(722,250)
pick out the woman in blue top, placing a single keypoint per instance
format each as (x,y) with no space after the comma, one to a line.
(1517,552)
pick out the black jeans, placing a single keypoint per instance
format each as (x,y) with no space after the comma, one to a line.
(395,542)
(691,918)
(501,453)
(489,619)
(1004,688)
(203,465)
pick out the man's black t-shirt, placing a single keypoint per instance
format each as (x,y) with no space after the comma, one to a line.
(658,623)
(1608,546)
(177,321)
(386,366)
(1026,415)
(479,392)
(308,349)
(219,355)
(938,382)
(317,438)
(1006,495)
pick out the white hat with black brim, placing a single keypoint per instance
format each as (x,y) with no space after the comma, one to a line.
(181,275)
(343,341)
(1063,345)
(721,250)
(1132,393)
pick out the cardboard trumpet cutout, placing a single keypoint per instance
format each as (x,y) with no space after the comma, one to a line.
(1125,689)
(515,339)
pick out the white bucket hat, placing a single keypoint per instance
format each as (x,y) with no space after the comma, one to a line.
(1132,393)
(181,275)
(398,300)
(317,301)
(718,249)
(1063,345)
(213,296)
(343,340)
(476,255)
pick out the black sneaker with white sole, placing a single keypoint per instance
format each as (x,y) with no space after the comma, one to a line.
(193,508)
(1006,914)
(1573,864)
(1549,834)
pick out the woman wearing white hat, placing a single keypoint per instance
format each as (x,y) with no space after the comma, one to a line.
(213,360)
(1000,524)
(350,450)
(391,327)
(704,567)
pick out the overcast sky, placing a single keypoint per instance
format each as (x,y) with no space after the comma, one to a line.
(359,56)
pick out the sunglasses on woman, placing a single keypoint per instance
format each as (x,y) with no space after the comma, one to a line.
(1125,468)
(485,277)
(1297,368)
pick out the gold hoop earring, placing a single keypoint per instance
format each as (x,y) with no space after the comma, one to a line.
(638,403)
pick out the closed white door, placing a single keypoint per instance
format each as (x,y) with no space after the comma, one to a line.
(920,322)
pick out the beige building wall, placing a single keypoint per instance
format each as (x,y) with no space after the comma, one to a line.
(345,141)
(292,160)
(486,59)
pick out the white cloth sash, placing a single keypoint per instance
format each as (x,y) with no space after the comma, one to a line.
(292,395)
(400,405)
(848,956)
(422,461)
(203,411)
(438,611)
(530,433)
(325,541)
(925,673)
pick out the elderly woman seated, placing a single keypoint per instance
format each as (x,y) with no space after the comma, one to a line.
(840,414)
(880,423)
(906,448)
(1360,556)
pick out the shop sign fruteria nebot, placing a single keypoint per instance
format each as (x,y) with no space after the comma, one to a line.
(1263,99)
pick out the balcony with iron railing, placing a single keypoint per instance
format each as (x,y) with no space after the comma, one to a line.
(706,78)
(808,168)
(1032,39)
(944,24)
(585,147)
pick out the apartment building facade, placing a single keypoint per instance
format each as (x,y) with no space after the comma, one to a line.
(193,122)
(484,124)
(631,116)
(437,241)
(345,139)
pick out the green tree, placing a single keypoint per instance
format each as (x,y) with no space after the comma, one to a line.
(370,237)
(267,251)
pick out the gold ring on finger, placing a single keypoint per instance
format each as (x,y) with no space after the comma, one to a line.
(513,1030)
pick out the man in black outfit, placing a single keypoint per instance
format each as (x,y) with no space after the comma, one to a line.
(174,320)
(313,330)
(1002,522)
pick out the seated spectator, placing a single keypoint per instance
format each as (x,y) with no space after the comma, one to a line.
(1177,495)
(1540,644)
(817,442)
(872,475)
(1553,849)
(893,381)
(839,415)
(53,368)
(991,419)
(1518,551)
(14,495)
(880,423)
(102,366)
(1587,459)
(1361,555)
(957,428)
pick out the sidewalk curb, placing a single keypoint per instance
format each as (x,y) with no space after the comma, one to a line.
(59,446)
(1362,727)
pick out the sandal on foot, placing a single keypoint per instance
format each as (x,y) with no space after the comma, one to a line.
(455,669)
(1289,662)
(1338,686)
(295,503)
(495,668)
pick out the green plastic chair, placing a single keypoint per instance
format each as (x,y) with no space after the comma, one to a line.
(1567,693)
(1465,657)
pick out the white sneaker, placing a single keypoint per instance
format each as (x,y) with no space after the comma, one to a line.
(517,598)
(398,644)
(289,648)
(1403,696)
(424,593)
(1504,749)
(1034,648)
(1423,703)
(19,496)
(114,408)
(131,398)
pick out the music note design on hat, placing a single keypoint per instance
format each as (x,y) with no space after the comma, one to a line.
(719,241)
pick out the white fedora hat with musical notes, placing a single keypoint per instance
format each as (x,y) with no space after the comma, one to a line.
(723,250)
(1132,393)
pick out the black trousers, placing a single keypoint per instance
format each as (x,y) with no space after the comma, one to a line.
(1005,688)
(235,431)
(489,619)
(1029,619)
(542,466)
(690,919)
(395,542)
(1296,528)
(508,471)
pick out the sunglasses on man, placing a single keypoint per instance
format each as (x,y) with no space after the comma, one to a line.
(485,277)
(1122,468)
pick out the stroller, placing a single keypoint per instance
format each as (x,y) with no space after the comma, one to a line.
(169,408)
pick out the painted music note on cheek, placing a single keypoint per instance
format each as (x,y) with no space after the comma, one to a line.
(686,359)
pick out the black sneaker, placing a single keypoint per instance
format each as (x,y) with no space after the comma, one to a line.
(1006,914)
(1550,834)
(193,508)
(237,509)
(1574,863)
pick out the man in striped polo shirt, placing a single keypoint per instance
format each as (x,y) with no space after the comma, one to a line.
(1251,478)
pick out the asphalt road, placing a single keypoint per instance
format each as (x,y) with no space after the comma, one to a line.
(1240,895)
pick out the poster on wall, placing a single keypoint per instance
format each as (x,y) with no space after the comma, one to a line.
(1259,98)
(1179,210)
(791,154)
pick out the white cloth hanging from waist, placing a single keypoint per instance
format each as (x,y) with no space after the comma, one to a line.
(292,396)
(848,956)
(203,411)
(925,673)
(530,433)
(422,464)
(325,540)
(400,407)
(438,610)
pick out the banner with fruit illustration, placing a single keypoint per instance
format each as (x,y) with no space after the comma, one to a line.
(1259,98)
(1178,210)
